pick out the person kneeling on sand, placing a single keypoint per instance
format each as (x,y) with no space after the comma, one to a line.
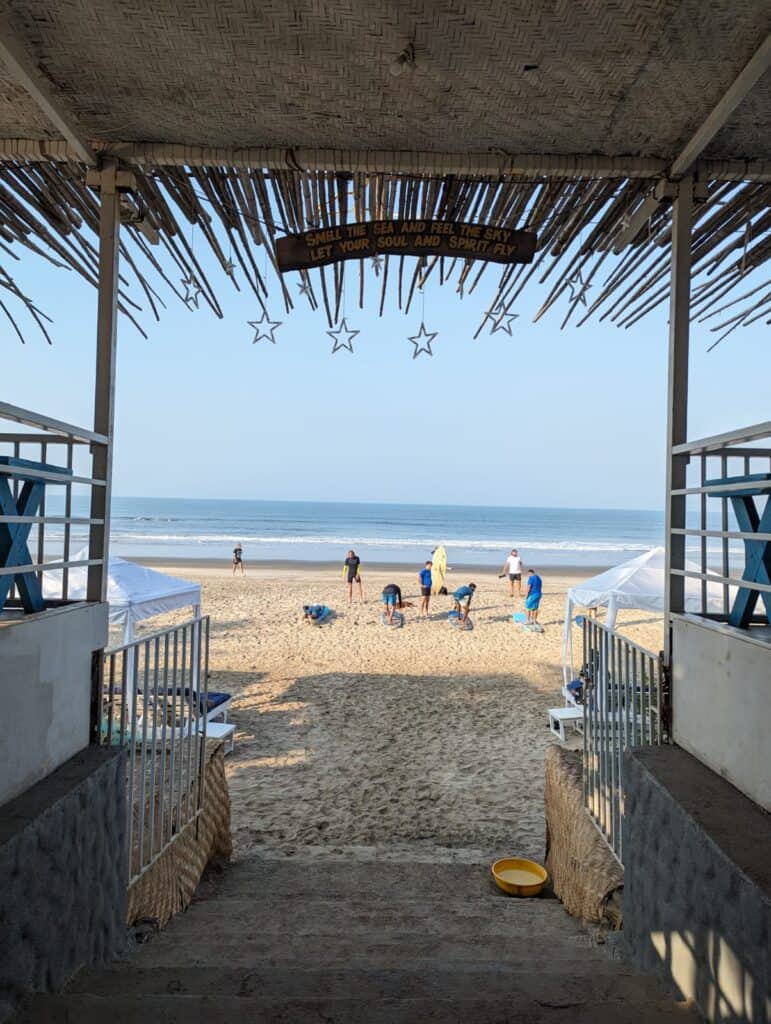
(462,599)
(392,599)
(424,576)
(533,597)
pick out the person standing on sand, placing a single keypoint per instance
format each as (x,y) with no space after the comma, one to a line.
(352,574)
(513,567)
(392,599)
(424,576)
(238,558)
(534,594)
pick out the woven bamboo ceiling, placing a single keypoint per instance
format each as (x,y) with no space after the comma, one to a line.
(249,120)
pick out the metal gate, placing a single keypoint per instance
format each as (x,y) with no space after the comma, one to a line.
(154,702)
(623,701)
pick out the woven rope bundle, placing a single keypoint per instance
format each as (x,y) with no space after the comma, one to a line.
(168,885)
(583,871)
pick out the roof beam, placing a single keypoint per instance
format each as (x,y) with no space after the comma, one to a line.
(373,162)
(747,78)
(705,133)
(30,78)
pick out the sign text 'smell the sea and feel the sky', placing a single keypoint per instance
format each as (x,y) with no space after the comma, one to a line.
(321,246)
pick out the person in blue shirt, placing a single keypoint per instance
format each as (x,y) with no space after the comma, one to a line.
(312,612)
(533,597)
(462,598)
(424,576)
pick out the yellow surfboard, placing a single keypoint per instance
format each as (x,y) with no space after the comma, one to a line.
(439,568)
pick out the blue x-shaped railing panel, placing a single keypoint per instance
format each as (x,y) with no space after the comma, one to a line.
(757,553)
(14,549)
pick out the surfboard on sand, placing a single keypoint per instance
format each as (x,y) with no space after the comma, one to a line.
(439,568)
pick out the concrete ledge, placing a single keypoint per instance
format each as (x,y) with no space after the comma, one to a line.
(697,901)
(584,873)
(45,691)
(63,871)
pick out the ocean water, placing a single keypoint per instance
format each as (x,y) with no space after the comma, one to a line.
(323,531)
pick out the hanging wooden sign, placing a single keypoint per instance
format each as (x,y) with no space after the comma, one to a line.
(321,246)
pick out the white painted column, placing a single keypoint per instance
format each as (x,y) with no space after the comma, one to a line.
(677,401)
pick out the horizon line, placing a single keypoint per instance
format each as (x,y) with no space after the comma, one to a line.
(409,504)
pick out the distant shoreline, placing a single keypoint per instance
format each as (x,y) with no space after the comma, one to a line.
(297,565)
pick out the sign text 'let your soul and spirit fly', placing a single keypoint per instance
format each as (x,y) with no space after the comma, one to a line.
(322,246)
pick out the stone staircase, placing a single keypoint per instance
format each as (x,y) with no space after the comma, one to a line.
(346,942)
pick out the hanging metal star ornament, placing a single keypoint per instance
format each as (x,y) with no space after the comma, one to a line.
(337,337)
(420,344)
(304,288)
(377,264)
(267,332)
(501,326)
(192,291)
(494,313)
(578,288)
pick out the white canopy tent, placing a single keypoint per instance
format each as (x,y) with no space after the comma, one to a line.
(134,593)
(638,583)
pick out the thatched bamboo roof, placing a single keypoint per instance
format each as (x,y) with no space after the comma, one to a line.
(253,120)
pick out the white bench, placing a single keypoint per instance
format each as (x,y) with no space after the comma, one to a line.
(558,717)
(224,731)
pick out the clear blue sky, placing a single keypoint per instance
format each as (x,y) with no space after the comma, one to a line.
(546,417)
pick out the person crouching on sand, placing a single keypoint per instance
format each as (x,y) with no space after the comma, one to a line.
(352,574)
(392,599)
(462,598)
(533,597)
(424,576)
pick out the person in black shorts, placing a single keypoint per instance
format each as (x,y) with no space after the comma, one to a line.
(512,568)
(424,576)
(238,559)
(352,574)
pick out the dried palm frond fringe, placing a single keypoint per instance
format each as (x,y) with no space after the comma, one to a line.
(47,208)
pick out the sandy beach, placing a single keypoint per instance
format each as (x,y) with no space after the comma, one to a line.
(363,740)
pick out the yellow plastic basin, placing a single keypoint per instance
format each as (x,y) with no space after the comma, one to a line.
(519,877)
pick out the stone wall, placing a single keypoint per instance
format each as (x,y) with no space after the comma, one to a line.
(697,885)
(64,874)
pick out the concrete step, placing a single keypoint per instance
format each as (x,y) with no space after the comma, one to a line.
(421,981)
(216,1009)
(376,943)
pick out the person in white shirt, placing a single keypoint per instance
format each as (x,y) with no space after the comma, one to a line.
(513,568)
